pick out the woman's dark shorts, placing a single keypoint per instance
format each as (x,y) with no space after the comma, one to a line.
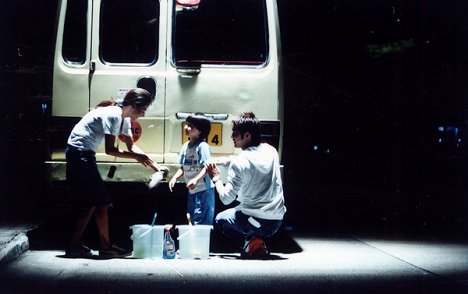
(87,186)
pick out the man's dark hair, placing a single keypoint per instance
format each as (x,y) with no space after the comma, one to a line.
(246,122)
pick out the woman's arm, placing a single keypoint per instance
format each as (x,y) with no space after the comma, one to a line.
(133,152)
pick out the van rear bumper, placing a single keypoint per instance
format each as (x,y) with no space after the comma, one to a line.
(124,171)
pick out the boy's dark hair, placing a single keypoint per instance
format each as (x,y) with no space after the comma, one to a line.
(246,122)
(202,123)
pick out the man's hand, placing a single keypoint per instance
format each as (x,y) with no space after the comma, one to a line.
(212,170)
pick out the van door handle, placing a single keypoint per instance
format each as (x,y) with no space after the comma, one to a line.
(213,116)
(188,72)
(92,66)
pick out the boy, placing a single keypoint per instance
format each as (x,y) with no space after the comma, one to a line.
(193,156)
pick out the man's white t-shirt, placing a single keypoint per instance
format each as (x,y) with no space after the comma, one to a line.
(254,179)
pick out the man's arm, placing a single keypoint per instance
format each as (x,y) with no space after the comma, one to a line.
(227,193)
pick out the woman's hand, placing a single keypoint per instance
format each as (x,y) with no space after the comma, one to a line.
(145,160)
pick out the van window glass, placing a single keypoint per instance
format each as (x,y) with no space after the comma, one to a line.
(220,32)
(74,32)
(129,31)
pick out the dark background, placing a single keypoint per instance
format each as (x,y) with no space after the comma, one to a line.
(368,84)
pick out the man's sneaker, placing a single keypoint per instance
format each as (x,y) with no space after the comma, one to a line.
(255,248)
(114,251)
(80,251)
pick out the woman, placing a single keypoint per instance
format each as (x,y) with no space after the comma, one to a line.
(104,123)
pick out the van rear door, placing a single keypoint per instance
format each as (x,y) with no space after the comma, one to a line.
(223,58)
(128,51)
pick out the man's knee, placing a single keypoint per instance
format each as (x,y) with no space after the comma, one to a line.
(218,225)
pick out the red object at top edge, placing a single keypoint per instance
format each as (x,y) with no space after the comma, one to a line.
(188,2)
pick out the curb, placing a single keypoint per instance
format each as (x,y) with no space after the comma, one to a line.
(14,248)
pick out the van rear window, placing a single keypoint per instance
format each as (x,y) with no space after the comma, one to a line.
(220,32)
(74,32)
(129,31)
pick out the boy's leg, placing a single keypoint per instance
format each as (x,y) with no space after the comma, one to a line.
(201,207)
(208,206)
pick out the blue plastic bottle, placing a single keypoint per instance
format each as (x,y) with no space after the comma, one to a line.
(169,245)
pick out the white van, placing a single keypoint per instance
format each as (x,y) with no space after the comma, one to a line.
(217,57)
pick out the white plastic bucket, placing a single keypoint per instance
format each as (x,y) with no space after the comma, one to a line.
(194,241)
(147,241)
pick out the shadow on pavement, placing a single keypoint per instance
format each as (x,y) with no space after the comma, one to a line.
(55,235)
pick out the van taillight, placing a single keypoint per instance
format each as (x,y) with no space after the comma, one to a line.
(270,132)
(188,3)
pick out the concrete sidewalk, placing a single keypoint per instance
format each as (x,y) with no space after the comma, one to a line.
(321,259)
(324,263)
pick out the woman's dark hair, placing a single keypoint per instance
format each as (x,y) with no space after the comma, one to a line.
(246,122)
(138,97)
(107,102)
(202,123)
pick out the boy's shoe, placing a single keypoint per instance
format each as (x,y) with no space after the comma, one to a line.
(255,248)
(80,251)
(114,251)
